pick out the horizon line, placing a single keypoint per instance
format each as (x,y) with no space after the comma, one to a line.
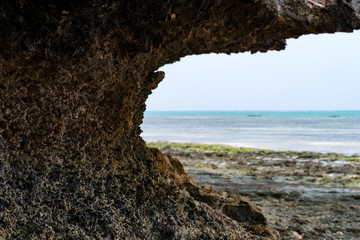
(353,110)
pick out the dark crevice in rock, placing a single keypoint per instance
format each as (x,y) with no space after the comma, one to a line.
(74,78)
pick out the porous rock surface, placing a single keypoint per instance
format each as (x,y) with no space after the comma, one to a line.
(74,78)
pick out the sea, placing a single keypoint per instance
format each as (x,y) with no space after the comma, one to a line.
(313,131)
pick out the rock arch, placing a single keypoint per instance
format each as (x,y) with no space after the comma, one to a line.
(74,78)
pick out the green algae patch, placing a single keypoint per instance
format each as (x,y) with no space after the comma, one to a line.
(352,159)
(206,147)
(355,158)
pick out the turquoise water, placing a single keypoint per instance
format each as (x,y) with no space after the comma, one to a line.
(318,131)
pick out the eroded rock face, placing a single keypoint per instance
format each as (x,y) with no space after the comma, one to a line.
(74,78)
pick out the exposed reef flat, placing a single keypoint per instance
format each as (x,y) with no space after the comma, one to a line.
(304,194)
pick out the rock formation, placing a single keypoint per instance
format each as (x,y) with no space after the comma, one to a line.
(74,78)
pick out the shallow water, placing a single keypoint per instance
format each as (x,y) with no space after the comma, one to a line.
(296,131)
(279,184)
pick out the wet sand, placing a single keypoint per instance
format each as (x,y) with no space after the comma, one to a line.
(304,195)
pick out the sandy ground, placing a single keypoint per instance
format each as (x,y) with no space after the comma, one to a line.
(304,195)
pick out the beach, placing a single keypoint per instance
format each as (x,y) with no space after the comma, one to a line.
(305,195)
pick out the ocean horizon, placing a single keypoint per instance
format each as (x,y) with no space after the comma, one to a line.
(314,131)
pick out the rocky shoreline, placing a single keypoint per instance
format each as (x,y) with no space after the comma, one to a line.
(305,195)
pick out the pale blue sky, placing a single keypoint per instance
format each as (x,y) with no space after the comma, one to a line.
(314,72)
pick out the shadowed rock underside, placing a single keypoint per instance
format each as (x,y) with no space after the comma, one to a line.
(74,78)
